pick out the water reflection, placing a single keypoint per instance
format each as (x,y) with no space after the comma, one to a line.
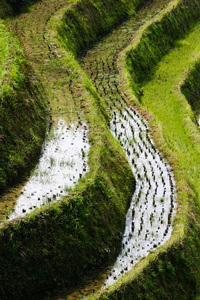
(63,162)
(149,218)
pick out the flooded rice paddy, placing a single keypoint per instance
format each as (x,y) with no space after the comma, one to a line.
(64,154)
(62,163)
(149,218)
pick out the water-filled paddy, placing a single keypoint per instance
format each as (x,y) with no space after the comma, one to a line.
(149,219)
(62,163)
(151,212)
(63,158)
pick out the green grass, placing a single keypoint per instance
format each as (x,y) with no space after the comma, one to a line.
(63,241)
(175,132)
(2,48)
(22,111)
(36,251)
(162,97)
(84,24)
(7,44)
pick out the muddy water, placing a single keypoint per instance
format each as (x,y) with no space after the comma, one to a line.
(149,218)
(64,154)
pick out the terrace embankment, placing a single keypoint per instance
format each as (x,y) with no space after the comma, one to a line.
(128,127)
(83,231)
(23,111)
(30,263)
(149,219)
(191,89)
(153,82)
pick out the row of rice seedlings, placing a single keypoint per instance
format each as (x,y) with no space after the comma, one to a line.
(64,155)
(149,218)
(62,163)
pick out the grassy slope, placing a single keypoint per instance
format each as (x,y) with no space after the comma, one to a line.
(162,97)
(81,232)
(86,21)
(10,7)
(172,271)
(32,257)
(18,5)
(3,49)
(191,89)
(21,133)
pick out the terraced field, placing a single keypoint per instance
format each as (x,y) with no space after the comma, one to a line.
(149,219)
(44,187)
(55,174)
(153,207)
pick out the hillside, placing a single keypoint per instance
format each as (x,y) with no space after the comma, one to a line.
(110,70)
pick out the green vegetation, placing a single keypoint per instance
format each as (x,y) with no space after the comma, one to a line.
(83,230)
(159,38)
(191,88)
(22,111)
(172,271)
(163,99)
(4,51)
(10,7)
(59,243)
(5,9)
(18,5)
(86,21)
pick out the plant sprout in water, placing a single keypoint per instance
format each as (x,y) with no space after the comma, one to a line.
(60,167)
(149,218)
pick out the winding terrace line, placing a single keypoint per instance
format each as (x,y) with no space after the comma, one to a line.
(64,155)
(149,218)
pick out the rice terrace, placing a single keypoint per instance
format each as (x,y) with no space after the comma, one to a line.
(99,149)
